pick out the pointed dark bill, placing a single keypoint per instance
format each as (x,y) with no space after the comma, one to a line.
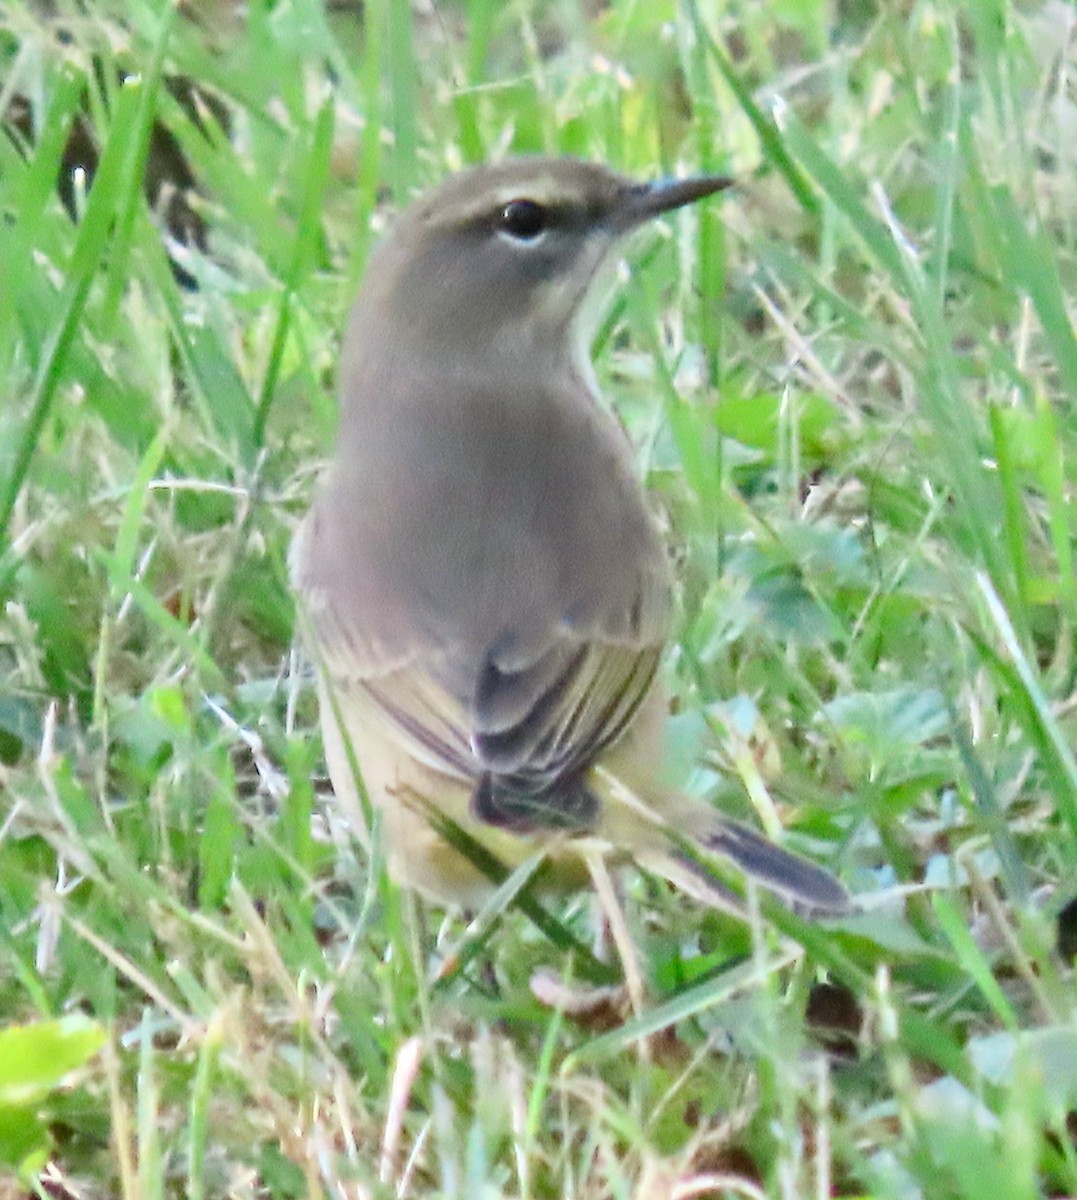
(646,200)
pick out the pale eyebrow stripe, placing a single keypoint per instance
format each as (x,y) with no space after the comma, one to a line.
(542,191)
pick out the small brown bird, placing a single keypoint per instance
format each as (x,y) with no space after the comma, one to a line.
(485,590)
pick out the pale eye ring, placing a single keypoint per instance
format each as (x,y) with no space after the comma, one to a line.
(523,220)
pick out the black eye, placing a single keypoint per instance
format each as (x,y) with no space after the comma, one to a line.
(523,220)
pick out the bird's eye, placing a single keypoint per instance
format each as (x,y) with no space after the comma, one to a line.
(523,220)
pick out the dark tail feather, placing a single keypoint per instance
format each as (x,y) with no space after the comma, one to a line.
(809,888)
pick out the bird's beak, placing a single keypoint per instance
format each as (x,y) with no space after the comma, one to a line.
(642,201)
